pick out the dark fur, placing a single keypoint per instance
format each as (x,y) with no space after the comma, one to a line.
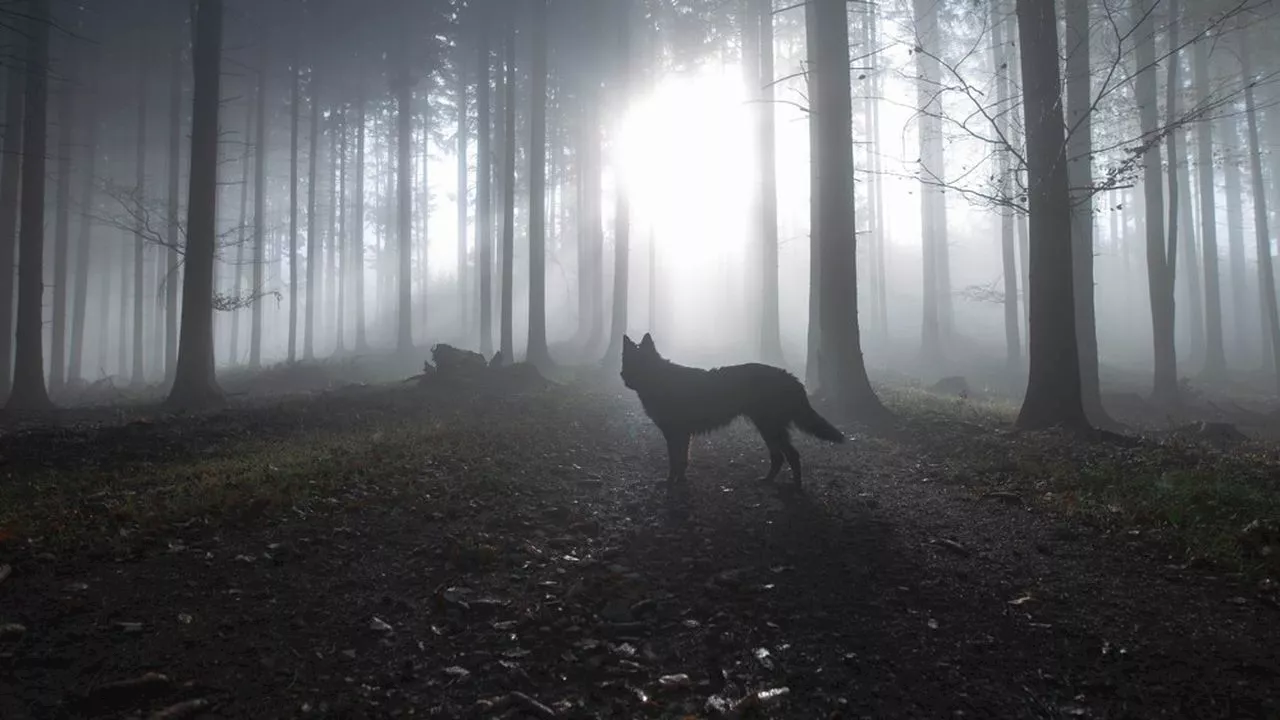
(684,401)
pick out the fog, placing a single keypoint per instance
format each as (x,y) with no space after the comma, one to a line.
(679,129)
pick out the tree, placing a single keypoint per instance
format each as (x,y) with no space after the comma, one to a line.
(1053,387)
(464,297)
(10,170)
(506,341)
(84,248)
(29,392)
(195,385)
(1215,366)
(1266,272)
(842,373)
(1009,263)
(403,81)
(1080,107)
(484,192)
(770,325)
(622,212)
(175,161)
(933,206)
(313,239)
(259,202)
(1159,260)
(295,100)
(62,230)
(357,249)
(537,352)
(138,377)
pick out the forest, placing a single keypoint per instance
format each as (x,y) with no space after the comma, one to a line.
(346,344)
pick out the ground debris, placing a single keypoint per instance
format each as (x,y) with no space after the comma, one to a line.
(184,709)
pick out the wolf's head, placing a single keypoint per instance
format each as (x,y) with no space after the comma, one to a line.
(638,361)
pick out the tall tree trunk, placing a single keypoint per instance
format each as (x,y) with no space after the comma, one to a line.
(1000,66)
(138,377)
(537,351)
(881,237)
(932,170)
(1053,387)
(194,383)
(172,277)
(344,243)
(313,240)
(1266,271)
(622,213)
(812,375)
(843,374)
(507,343)
(259,207)
(1079,149)
(10,183)
(1215,365)
(29,392)
(770,325)
(62,230)
(295,99)
(85,249)
(1188,247)
(404,201)
(484,194)
(1159,272)
(238,288)
(357,252)
(1241,309)
(464,294)
(123,338)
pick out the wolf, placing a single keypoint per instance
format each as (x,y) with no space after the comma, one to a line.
(686,401)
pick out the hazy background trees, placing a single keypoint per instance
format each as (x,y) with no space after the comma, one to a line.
(542,175)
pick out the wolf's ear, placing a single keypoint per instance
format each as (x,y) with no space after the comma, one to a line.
(627,342)
(646,343)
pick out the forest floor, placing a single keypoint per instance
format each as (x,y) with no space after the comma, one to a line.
(457,550)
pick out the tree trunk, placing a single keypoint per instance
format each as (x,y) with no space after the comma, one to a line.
(1079,150)
(1215,365)
(29,392)
(259,207)
(1053,387)
(537,351)
(770,325)
(931,171)
(138,377)
(249,106)
(295,99)
(62,230)
(344,243)
(843,374)
(313,241)
(1159,272)
(507,343)
(10,183)
(622,213)
(881,237)
(170,254)
(484,194)
(357,252)
(1240,306)
(1266,271)
(84,247)
(404,201)
(194,383)
(812,375)
(1000,66)
(464,295)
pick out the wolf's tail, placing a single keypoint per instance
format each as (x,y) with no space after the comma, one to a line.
(808,420)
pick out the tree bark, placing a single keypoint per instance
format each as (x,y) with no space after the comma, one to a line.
(507,342)
(344,243)
(259,207)
(1159,272)
(357,251)
(10,184)
(172,275)
(295,99)
(622,212)
(928,37)
(1266,271)
(1215,365)
(1079,150)
(812,375)
(842,372)
(85,249)
(194,385)
(313,240)
(138,377)
(1000,66)
(404,199)
(537,352)
(484,194)
(29,392)
(62,229)
(1053,388)
(770,324)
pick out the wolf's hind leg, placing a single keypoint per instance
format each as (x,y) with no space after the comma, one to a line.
(776,440)
(677,456)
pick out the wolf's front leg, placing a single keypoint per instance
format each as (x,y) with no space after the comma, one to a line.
(677,456)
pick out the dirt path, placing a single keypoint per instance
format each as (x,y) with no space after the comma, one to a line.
(540,570)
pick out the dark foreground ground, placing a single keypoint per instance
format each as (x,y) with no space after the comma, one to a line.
(463,552)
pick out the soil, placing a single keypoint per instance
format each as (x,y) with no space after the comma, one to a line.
(529,562)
